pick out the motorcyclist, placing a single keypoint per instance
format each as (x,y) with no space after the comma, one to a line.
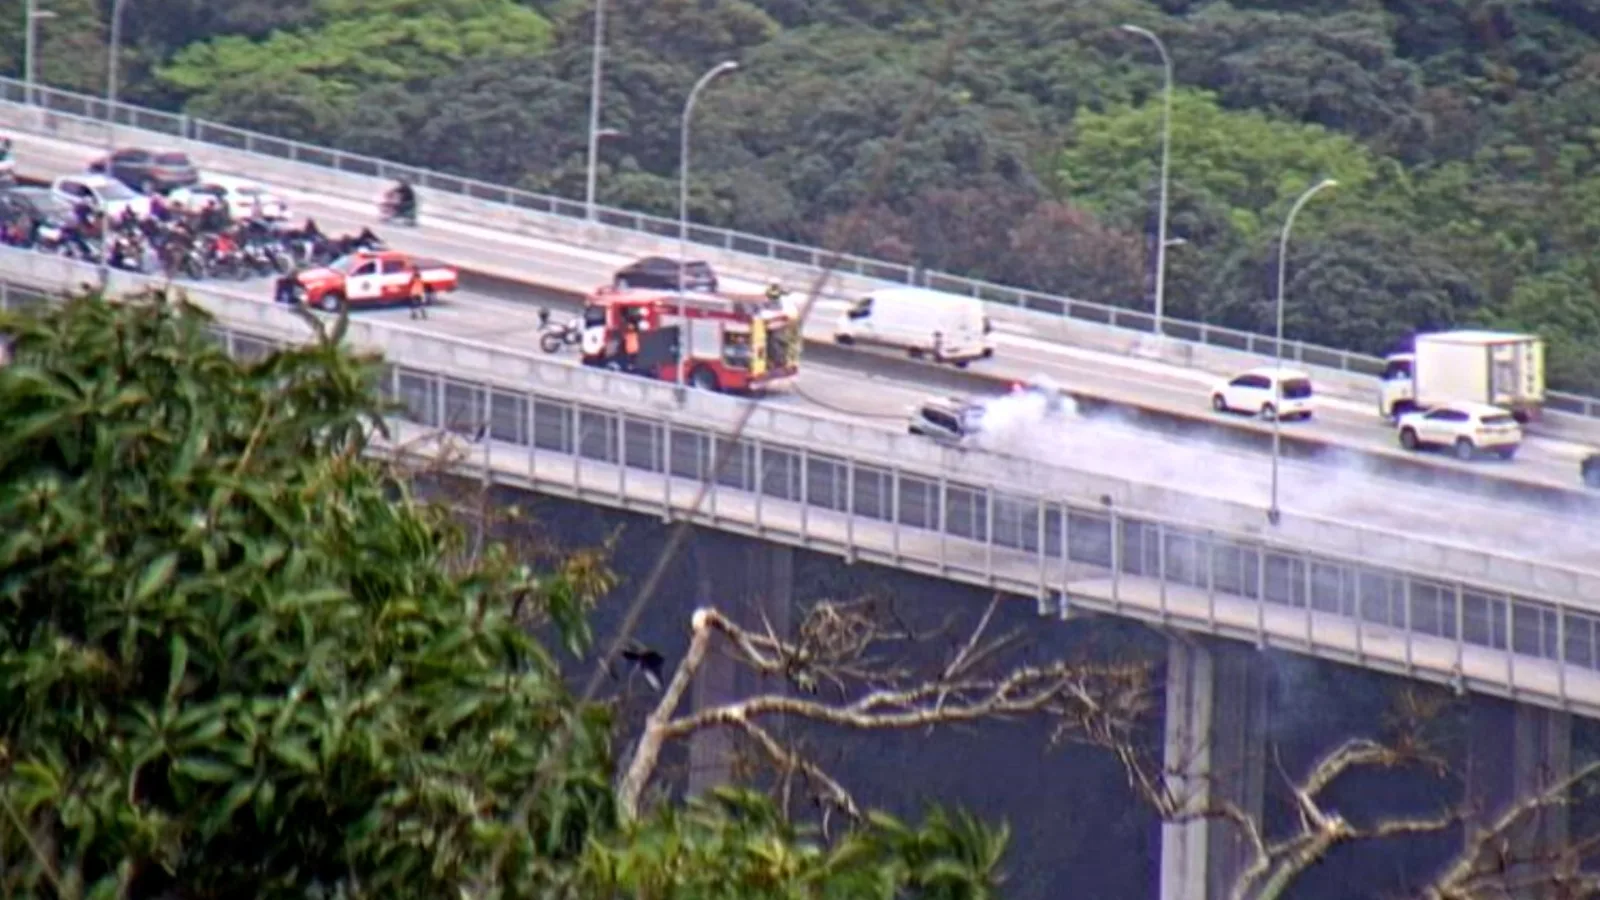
(214,216)
(403,200)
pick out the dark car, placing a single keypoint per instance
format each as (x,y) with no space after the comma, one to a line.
(1590,469)
(661,273)
(161,170)
(34,204)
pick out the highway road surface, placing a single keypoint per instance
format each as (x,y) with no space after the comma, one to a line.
(1343,490)
(1545,462)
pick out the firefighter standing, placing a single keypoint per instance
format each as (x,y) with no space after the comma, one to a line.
(630,341)
(419,300)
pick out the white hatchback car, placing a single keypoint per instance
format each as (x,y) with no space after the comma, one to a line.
(1268,392)
(244,199)
(1466,428)
(102,192)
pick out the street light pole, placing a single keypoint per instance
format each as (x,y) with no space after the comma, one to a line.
(683,201)
(113,53)
(1273,512)
(1166,156)
(30,48)
(596,67)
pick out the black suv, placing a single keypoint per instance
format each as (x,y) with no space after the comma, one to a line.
(661,273)
(1590,470)
(162,171)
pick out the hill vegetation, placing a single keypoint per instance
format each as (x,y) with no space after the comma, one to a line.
(1464,132)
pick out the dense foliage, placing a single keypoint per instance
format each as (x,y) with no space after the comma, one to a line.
(1465,132)
(238,659)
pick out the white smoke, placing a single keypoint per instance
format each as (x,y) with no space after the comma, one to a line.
(1338,486)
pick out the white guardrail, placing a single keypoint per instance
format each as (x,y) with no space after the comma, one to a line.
(78,117)
(463,358)
(566,434)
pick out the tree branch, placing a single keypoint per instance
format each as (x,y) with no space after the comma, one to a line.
(1080,695)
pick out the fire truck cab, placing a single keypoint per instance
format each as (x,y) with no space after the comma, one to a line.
(727,344)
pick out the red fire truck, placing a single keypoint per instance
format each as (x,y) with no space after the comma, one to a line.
(729,344)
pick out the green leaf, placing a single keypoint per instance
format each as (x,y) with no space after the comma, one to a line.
(178,666)
(205,768)
(220,815)
(296,754)
(157,575)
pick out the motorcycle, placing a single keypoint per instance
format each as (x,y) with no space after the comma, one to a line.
(554,337)
(391,212)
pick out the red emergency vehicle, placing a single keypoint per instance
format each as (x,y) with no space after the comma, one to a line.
(728,344)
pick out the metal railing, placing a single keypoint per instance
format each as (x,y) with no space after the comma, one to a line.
(1068,554)
(226,136)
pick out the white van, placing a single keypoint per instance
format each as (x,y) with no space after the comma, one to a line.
(944,327)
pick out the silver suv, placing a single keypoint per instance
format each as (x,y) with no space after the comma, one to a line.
(949,419)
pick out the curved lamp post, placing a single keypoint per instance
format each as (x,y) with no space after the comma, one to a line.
(683,196)
(1166,155)
(1273,512)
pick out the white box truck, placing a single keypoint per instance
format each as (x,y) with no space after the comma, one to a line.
(1498,368)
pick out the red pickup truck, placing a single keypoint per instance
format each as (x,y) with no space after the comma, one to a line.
(368,278)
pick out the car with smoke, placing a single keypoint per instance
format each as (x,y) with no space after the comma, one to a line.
(1266,391)
(1466,429)
(1590,470)
(946,419)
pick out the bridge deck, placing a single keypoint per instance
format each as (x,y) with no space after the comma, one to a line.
(1395,631)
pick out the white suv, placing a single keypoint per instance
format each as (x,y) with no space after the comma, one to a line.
(1268,392)
(1467,428)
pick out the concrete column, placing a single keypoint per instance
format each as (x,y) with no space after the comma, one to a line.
(1215,749)
(1516,751)
(746,579)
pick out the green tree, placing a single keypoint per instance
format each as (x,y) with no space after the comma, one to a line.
(1245,165)
(237,658)
(356,44)
(220,619)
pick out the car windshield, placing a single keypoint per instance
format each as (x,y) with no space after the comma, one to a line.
(114,190)
(1297,388)
(176,160)
(344,265)
(248,190)
(1495,421)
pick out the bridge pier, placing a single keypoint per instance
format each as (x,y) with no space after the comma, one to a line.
(1214,751)
(746,580)
(1516,751)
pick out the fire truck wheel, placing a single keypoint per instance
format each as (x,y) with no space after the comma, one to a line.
(702,378)
(331,301)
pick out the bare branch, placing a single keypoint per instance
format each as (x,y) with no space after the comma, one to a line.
(789,763)
(1488,860)
(833,641)
(648,752)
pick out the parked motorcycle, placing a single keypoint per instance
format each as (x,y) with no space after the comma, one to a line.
(553,337)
